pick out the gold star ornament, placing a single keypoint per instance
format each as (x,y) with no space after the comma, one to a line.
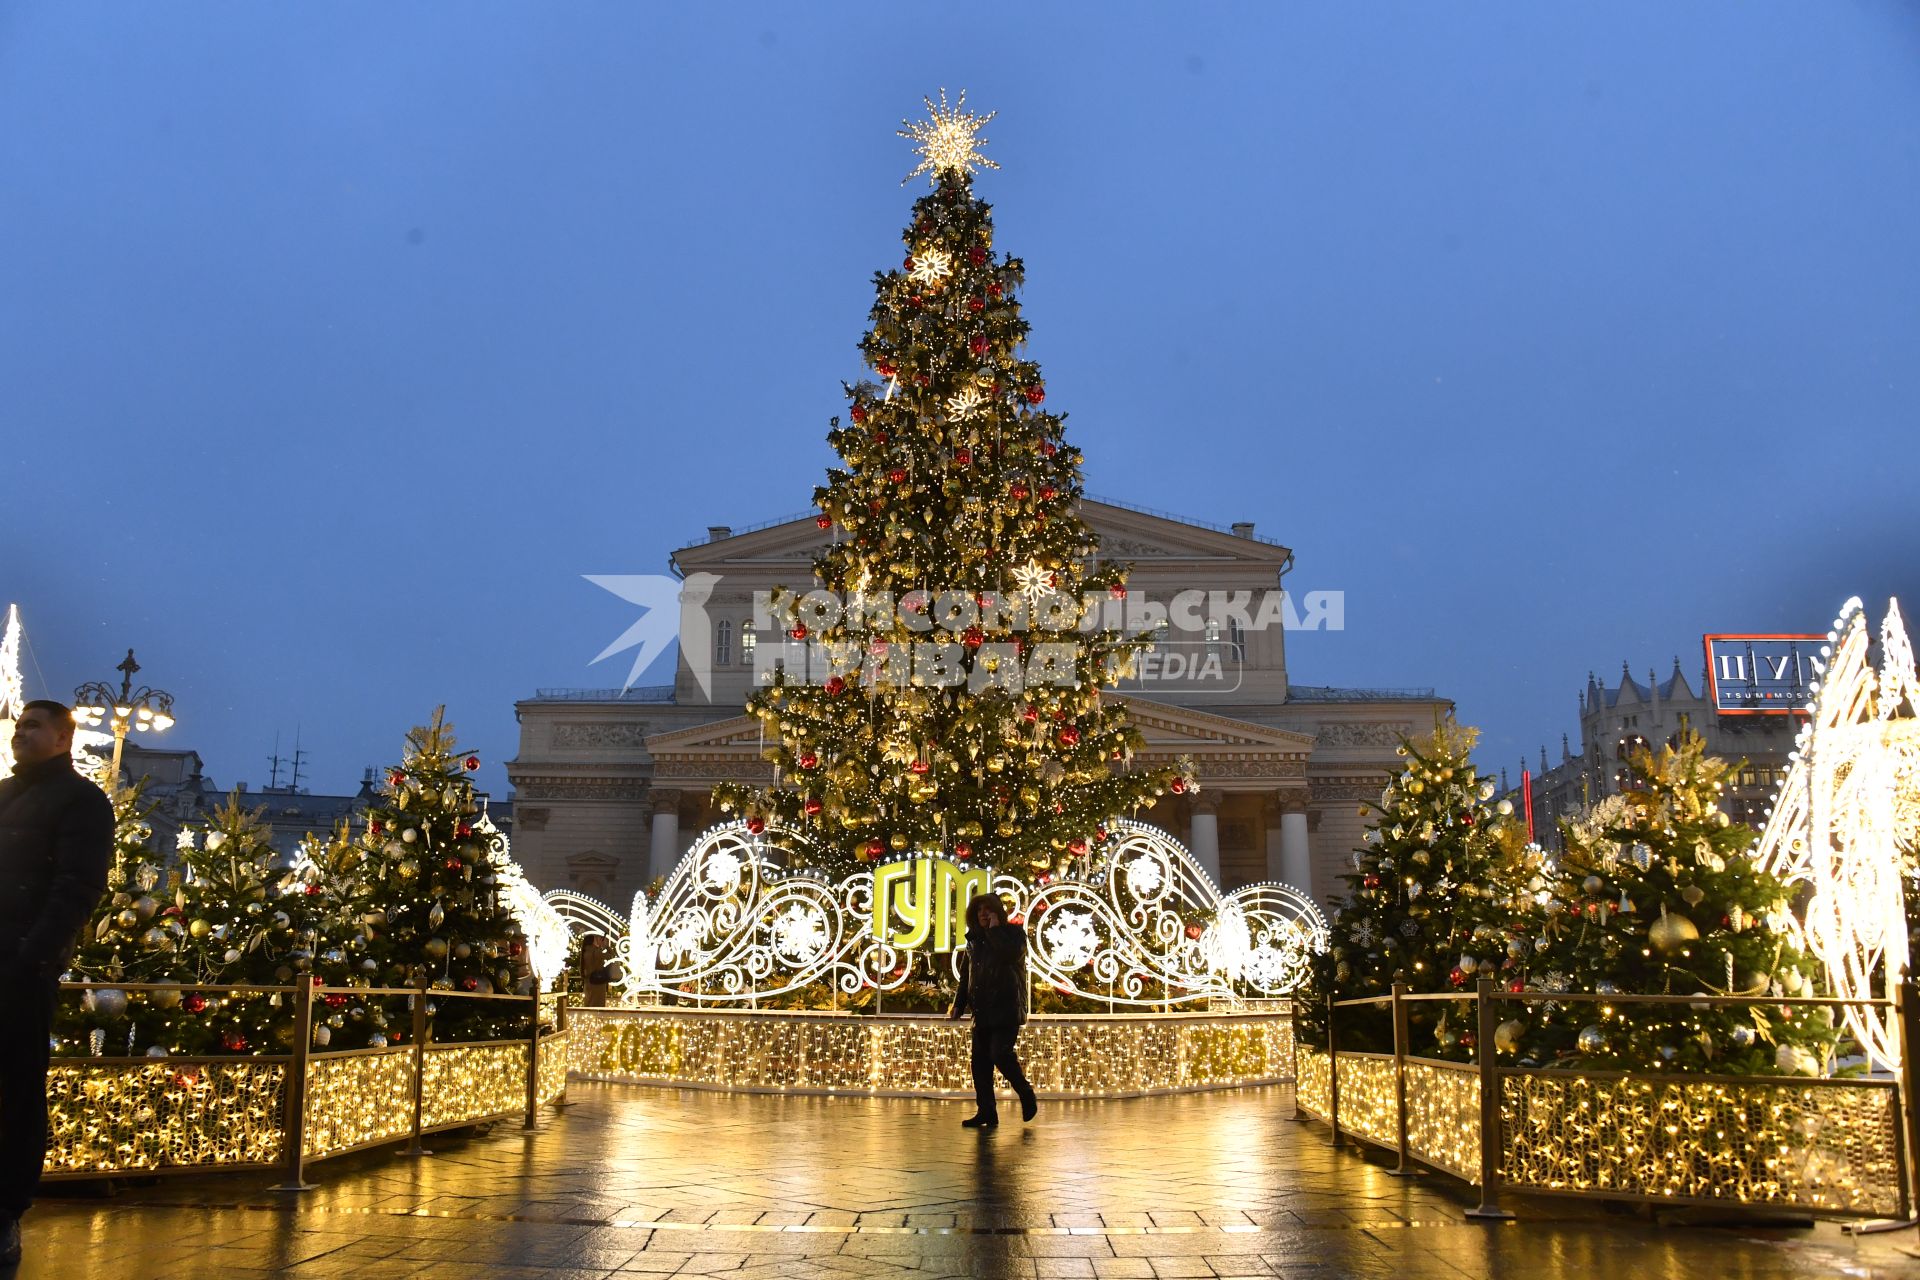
(948,140)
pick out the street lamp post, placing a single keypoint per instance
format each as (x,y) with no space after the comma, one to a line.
(122,709)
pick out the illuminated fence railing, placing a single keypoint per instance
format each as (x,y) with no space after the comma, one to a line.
(1090,1056)
(1824,1146)
(282,1111)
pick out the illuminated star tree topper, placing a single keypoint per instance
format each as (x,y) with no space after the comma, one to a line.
(948,140)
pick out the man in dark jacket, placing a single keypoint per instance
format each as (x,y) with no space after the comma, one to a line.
(993,984)
(56,841)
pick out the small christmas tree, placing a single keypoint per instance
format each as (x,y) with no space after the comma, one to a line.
(1428,903)
(435,910)
(329,897)
(1657,894)
(981,734)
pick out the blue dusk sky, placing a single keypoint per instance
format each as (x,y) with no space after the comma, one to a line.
(338,341)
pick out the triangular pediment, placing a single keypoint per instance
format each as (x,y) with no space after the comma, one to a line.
(735,733)
(1167,727)
(1125,533)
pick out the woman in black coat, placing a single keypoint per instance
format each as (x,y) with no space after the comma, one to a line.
(993,985)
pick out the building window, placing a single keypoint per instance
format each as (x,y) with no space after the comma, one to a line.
(723,643)
(748,640)
(1213,634)
(1236,639)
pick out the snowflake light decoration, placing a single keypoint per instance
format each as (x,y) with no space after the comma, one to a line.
(1032,581)
(722,870)
(948,140)
(1145,875)
(966,404)
(799,933)
(931,266)
(1070,938)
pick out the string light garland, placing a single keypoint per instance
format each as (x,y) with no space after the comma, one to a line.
(1094,1056)
(358,1099)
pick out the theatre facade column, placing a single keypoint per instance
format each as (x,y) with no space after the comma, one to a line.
(665,848)
(1205,827)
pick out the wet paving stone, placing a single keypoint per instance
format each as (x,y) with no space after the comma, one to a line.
(634,1182)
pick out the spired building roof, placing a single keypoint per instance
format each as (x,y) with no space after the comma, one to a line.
(611,785)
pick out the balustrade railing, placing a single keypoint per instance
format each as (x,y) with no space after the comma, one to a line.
(112,1116)
(1832,1146)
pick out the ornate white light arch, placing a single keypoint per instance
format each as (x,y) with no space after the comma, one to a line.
(1148,929)
(1848,808)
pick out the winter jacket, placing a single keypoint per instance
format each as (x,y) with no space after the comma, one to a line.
(56,843)
(993,976)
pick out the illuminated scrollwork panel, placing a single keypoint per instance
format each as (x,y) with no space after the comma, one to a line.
(1149,928)
(358,1099)
(1848,808)
(168,1115)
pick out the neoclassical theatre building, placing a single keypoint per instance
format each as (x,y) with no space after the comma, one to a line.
(612,787)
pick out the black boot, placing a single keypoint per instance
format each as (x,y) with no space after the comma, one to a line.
(1029,1105)
(972,1122)
(10,1242)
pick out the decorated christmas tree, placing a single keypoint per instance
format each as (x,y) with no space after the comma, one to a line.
(1428,903)
(436,913)
(1657,894)
(212,921)
(955,706)
(328,895)
(125,941)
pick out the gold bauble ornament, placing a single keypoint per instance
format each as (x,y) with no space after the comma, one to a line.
(1671,932)
(897,840)
(145,907)
(199,928)
(436,948)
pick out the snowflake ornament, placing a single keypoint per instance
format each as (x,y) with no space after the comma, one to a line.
(799,933)
(966,404)
(931,266)
(1145,875)
(1070,939)
(722,870)
(1032,581)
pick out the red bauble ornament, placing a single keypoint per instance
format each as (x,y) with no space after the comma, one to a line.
(993,290)
(469,983)
(756,825)
(1069,736)
(809,760)
(799,631)
(835,685)
(906,264)
(1048,448)
(878,648)
(1467,818)
(812,807)
(1458,977)
(473,763)
(1036,393)
(973,637)
(963,850)
(396,779)
(376,826)
(335,1001)
(976,304)
(874,848)
(462,830)
(311,889)
(884,369)
(1178,786)
(978,345)
(919,767)
(1019,492)
(1030,714)
(1118,591)
(964,458)
(825,522)
(1077,847)
(924,379)
(858,413)
(453,864)
(1371,882)
(916,301)
(898,475)
(1048,493)
(515,947)
(881,437)
(195,1003)
(1194,931)
(977,256)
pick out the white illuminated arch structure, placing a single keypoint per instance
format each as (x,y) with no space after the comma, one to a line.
(733,924)
(1847,811)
